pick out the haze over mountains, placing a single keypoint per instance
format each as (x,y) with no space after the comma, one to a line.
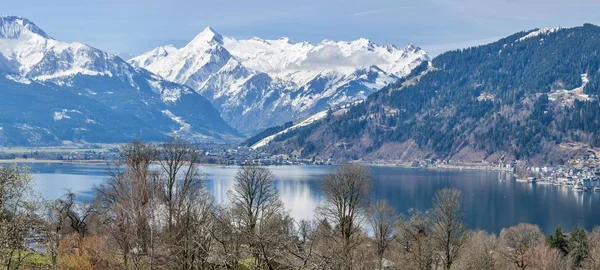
(258,83)
(56,92)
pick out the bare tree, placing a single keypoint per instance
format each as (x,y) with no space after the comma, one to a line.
(302,246)
(305,230)
(178,160)
(75,215)
(190,237)
(414,237)
(325,246)
(592,261)
(382,218)
(517,243)
(227,247)
(479,251)
(187,203)
(346,192)
(64,216)
(256,207)
(126,200)
(447,227)
(18,220)
(137,156)
(544,257)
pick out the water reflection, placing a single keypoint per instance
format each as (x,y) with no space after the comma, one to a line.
(490,204)
(54,185)
(299,198)
(299,186)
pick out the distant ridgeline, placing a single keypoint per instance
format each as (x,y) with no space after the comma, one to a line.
(532,95)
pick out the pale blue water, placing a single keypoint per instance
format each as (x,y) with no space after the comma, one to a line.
(489,203)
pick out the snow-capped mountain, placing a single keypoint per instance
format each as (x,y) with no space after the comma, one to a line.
(259,83)
(96,96)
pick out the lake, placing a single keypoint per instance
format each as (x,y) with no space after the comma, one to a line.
(490,204)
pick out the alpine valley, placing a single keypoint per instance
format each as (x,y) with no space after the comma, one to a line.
(258,83)
(54,92)
(532,95)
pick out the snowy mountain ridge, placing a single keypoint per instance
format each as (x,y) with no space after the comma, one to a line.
(269,82)
(31,53)
(93,85)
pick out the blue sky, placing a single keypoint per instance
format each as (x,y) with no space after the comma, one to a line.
(135,26)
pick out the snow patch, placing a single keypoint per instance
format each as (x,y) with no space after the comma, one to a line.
(185,127)
(542,31)
(567,97)
(72,72)
(315,117)
(60,116)
(18,79)
(584,79)
(167,94)
(63,114)
(485,96)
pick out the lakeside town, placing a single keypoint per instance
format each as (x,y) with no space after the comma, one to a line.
(579,174)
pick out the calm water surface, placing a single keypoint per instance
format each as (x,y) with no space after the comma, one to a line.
(490,204)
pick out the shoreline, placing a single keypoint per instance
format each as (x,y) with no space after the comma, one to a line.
(457,167)
(81,162)
(56,161)
(441,167)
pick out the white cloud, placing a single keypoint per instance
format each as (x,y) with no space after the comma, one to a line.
(332,56)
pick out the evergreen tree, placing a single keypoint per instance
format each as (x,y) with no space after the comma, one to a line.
(578,245)
(559,240)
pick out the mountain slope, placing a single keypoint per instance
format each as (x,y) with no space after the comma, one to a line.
(94,85)
(532,95)
(260,83)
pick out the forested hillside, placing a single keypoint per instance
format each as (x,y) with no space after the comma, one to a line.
(525,96)
(266,133)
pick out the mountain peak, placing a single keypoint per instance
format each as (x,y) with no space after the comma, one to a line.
(208,35)
(363,42)
(165,49)
(14,27)
(257,83)
(412,48)
(209,29)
